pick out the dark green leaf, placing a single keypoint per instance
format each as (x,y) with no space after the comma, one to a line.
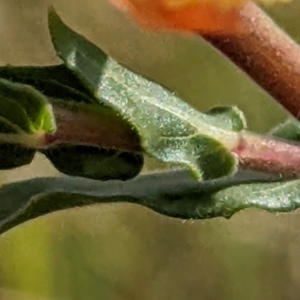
(53,81)
(171,131)
(25,116)
(57,73)
(14,155)
(66,42)
(173,194)
(11,111)
(94,163)
(25,107)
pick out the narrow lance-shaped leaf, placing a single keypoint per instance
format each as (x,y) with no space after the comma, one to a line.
(171,131)
(174,194)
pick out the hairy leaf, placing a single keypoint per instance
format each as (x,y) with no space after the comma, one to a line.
(174,194)
(228,117)
(171,131)
(288,130)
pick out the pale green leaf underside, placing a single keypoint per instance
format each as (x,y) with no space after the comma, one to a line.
(171,131)
(173,194)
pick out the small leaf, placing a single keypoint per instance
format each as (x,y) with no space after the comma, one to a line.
(57,73)
(288,130)
(94,163)
(171,131)
(13,112)
(25,115)
(52,81)
(173,194)
(229,117)
(26,107)
(68,41)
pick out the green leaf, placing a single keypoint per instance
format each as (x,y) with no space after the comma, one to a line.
(25,115)
(94,163)
(75,160)
(174,194)
(288,130)
(171,131)
(66,42)
(52,81)
(11,111)
(7,126)
(14,156)
(25,107)
(228,117)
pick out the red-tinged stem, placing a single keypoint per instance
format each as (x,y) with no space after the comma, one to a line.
(269,155)
(267,54)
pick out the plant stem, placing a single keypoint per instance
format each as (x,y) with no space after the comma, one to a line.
(261,153)
(267,54)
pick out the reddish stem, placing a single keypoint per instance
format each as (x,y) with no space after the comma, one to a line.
(267,54)
(269,155)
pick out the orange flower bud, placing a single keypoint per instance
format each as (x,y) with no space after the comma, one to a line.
(188,15)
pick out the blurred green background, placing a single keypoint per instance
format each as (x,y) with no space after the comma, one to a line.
(125,251)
